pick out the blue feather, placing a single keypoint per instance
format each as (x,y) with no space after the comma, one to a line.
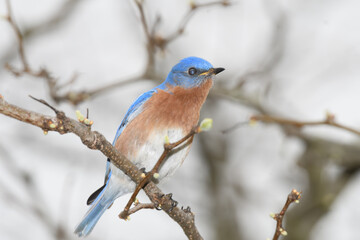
(101,203)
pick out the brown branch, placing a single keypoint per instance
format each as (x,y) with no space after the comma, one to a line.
(74,97)
(140,206)
(187,17)
(94,140)
(293,196)
(155,40)
(19,37)
(66,10)
(168,147)
(329,120)
(140,6)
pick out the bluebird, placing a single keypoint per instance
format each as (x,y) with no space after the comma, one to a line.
(171,109)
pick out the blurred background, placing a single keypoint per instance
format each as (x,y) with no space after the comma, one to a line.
(295,59)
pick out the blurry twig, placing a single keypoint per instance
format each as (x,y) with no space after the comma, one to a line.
(293,196)
(187,17)
(74,97)
(329,120)
(66,9)
(19,37)
(156,41)
(36,203)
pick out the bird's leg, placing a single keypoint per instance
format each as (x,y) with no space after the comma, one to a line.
(174,203)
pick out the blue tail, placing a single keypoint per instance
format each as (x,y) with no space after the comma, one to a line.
(93,215)
(100,200)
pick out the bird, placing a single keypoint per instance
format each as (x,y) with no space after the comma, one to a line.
(169,111)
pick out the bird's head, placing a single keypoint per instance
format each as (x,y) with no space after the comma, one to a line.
(191,72)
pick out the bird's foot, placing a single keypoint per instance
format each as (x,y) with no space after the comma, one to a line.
(186,210)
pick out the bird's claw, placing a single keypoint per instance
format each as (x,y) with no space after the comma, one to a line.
(186,210)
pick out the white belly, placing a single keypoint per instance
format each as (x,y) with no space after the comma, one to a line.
(147,156)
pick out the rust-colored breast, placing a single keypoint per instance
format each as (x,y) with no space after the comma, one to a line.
(179,108)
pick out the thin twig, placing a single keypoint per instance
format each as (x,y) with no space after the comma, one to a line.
(329,120)
(19,37)
(45,103)
(293,196)
(74,97)
(156,41)
(187,17)
(168,147)
(139,4)
(140,206)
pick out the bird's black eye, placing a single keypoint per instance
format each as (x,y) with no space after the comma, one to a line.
(192,71)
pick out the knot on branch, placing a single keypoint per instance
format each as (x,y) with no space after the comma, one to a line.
(93,140)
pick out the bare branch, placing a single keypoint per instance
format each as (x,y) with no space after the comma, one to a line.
(156,41)
(187,17)
(140,206)
(19,37)
(139,4)
(74,97)
(64,11)
(94,140)
(330,120)
(293,196)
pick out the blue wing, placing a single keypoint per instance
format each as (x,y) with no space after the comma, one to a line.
(132,112)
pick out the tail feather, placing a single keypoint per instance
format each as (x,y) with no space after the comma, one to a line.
(93,215)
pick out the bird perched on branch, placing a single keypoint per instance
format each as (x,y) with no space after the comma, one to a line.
(171,109)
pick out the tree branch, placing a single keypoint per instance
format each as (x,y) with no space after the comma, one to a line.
(293,196)
(74,97)
(140,206)
(155,41)
(329,120)
(95,140)
(19,37)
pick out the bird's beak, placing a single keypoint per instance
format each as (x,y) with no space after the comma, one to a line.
(218,70)
(212,71)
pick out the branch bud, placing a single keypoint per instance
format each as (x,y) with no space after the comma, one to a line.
(330,117)
(167,140)
(206,124)
(156,175)
(79,116)
(283,232)
(252,122)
